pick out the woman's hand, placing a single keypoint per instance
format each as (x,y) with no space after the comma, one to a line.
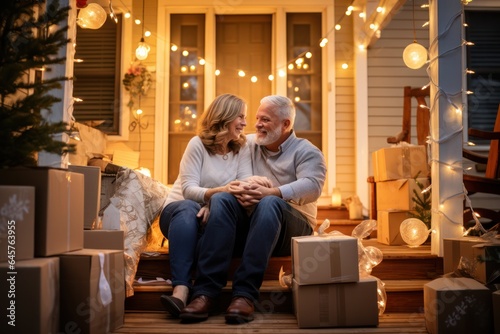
(260,180)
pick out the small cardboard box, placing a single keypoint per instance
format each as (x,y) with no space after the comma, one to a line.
(325,259)
(455,248)
(337,304)
(107,189)
(17,223)
(92,197)
(30,302)
(487,265)
(388,223)
(400,162)
(457,305)
(103,239)
(88,278)
(397,195)
(58,206)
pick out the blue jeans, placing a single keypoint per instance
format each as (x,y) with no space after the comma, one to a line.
(179,224)
(231,232)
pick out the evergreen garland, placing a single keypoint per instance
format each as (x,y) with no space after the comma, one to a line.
(27,45)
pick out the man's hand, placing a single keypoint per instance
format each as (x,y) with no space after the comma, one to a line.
(260,180)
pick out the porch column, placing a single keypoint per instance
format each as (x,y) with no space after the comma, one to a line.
(446,103)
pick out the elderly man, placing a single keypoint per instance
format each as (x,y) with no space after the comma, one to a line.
(255,222)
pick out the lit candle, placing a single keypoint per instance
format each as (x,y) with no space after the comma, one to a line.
(336,197)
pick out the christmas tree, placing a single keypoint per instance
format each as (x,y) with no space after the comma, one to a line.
(30,39)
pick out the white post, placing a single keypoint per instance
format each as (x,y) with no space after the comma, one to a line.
(446,74)
(63,110)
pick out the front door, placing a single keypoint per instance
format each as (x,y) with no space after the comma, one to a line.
(243,46)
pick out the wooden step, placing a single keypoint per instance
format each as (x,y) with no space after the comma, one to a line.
(403,270)
(403,296)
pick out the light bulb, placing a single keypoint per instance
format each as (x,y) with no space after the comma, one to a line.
(413,231)
(91,17)
(142,50)
(415,56)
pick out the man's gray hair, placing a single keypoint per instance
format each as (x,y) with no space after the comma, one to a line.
(281,106)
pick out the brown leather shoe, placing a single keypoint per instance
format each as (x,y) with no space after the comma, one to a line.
(240,310)
(197,310)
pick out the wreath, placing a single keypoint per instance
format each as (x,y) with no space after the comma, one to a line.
(137,82)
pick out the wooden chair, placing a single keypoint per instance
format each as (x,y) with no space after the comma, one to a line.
(490,182)
(422,127)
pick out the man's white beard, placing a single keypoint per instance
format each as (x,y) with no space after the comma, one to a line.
(270,137)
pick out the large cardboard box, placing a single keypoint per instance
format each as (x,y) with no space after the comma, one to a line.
(487,263)
(103,239)
(455,248)
(457,305)
(92,196)
(388,223)
(58,206)
(89,278)
(325,259)
(30,302)
(17,223)
(400,162)
(337,304)
(397,195)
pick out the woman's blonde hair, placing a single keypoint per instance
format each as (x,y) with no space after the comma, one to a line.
(214,123)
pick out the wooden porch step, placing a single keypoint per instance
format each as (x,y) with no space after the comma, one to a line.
(403,296)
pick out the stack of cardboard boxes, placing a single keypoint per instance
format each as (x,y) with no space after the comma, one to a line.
(467,298)
(56,282)
(397,173)
(327,288)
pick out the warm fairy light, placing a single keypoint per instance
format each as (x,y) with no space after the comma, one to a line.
(77,61)
(425,24)
(201,61)
(137,21)
(138,112)
(270,77)
(380,9)
(281,73)
(362,15)
(127,15)
(185,53)
(338,27)
(296,89)
(361,47)
(184,69)
(185,85)
(147,33)
(309,55)
(217,72)
(323,42)
(299,61)
(345,66)
(290,67)
(253,78)
(373,26)
(77,99)
(469,143)
(177,121)
(297,99)
(241,73)
(173,47)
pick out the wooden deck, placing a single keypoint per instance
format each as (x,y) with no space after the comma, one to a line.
(160,322)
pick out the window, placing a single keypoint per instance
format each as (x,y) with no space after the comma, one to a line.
(97,79)
(484,59)
(304,73)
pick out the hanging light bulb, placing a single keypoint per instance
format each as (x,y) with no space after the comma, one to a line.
(414,55)
(142,50)
(92,16)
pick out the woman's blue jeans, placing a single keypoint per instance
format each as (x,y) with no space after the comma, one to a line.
(231,232)
(179,224)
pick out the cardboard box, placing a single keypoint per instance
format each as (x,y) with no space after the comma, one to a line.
(401,162)
(487,263)
(83,276)
(107,190)
(457,305)
(325,259)
(336,304)
(388,223)
(58,207)
(92,196)
(455,248)
(30,296)
(398,195)
(103,239)
(17,223)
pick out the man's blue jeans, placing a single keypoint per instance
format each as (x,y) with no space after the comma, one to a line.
(231,232)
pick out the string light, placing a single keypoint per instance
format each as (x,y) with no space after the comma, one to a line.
(143,48)
(414,55)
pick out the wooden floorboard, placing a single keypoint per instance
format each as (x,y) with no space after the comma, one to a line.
(160,322)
